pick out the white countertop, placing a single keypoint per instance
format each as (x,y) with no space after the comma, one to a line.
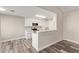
(42,31)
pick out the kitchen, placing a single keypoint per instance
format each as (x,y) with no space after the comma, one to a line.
(40,29)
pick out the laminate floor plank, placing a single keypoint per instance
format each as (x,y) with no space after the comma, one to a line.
(63,47)
(25,46)
(16,46)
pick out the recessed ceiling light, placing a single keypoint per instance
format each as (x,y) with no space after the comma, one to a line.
(41,16)
(2,9)
(12,10)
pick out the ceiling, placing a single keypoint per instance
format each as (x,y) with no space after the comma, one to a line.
(31,11)
(27,11)
(62,8)
(68,8)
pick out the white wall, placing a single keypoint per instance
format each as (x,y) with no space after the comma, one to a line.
(11,27)
(71,26)
(53,23)
(59,33)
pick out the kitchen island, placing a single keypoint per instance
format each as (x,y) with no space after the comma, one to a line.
(43,39)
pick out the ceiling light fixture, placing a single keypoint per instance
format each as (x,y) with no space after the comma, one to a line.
(2,9)
(12,10)
(41,16)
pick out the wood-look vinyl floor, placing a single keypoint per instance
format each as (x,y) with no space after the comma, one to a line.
(62,47)
(24,46)
(16,46)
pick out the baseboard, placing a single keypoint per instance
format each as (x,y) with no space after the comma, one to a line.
(72,41)
(47,45)
(3,40)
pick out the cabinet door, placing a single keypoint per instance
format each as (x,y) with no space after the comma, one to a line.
(28,22)
(28,35)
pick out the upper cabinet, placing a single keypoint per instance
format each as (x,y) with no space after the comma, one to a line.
(27,22)
(44,24)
